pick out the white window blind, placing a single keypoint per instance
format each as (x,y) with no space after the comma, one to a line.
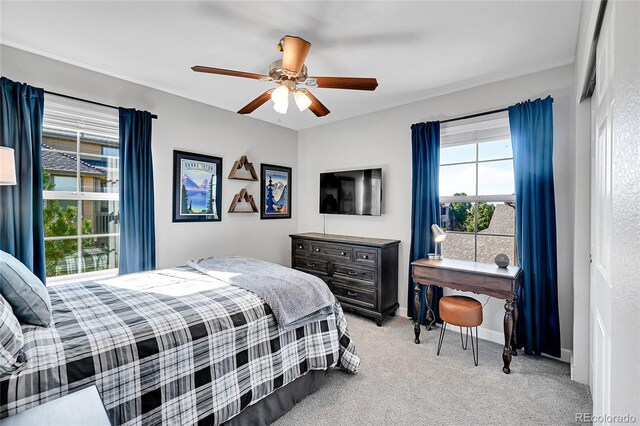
(72,115)
(476,130)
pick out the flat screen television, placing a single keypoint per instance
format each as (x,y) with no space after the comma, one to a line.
(357,192)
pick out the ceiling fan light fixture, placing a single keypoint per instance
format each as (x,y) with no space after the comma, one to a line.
(302,100)
(281,105)
(280,94)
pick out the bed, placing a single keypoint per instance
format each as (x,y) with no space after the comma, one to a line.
(174,346)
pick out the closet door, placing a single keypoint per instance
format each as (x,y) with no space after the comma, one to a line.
(601,202)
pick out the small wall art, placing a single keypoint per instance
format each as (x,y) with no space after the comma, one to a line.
(197,187)
(275,192)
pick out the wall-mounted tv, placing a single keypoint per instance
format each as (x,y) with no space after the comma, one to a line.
(357,192)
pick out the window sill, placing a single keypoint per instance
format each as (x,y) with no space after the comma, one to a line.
(73,278)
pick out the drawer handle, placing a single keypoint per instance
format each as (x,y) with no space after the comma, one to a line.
(352,293)
(352,273)
(311,265)
(318,250)
(299,246)
(343,253)
(364,256)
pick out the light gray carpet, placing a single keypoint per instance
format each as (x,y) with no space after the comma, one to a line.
(407,384)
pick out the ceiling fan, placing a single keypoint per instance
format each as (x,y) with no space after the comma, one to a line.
(289,73)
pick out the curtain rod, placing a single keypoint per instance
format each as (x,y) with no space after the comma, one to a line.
(86,100)
(480,114)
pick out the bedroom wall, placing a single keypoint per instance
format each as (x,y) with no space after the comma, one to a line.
(189,126)
(382,139)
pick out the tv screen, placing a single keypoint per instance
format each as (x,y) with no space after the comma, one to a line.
(356,192)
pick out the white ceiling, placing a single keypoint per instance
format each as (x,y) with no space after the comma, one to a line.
(414,49)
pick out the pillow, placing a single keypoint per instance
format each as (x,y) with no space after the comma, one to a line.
(11,339)
(26,294)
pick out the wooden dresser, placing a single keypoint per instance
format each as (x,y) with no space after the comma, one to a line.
(361,272)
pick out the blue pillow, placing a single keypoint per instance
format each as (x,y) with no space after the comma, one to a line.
(26,294)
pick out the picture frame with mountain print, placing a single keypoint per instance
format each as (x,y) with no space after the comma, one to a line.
(197,187)
(275,192)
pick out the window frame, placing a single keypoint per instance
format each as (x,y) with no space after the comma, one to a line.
(475,200)
(79,197)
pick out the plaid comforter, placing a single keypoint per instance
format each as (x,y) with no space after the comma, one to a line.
(168,347)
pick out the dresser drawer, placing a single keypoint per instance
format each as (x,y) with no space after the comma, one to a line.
(333,250)
(314,265)
(366,256)
(363,274)
(354,295)
(300,246)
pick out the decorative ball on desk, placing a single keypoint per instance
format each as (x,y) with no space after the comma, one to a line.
(502,260)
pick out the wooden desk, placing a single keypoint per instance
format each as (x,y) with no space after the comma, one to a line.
(480,278)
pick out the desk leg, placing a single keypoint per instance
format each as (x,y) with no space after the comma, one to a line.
(514,337)
(416,303)
(508,334)
(429,311)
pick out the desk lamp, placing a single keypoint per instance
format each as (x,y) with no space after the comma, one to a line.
(438,236)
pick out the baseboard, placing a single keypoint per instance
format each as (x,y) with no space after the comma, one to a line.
(403,312)
(565,355)
(498,337)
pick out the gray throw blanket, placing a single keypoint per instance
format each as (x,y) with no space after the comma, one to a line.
(294,297)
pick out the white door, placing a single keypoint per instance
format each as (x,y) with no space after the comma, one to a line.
(601,140)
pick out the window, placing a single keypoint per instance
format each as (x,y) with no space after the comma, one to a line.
(477,202)
(64,183)
(80,187)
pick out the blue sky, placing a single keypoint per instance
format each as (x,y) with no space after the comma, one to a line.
(495,177)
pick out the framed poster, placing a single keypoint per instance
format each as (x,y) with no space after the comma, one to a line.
(197,187)
(275,192)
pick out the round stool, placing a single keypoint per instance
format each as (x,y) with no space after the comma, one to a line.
(462,311)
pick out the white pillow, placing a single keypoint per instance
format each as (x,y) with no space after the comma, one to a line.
(11,339)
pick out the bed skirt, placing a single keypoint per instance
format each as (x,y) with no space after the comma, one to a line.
(277,404)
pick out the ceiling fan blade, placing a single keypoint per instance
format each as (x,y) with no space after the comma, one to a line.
(221,71)
(256,103)
(294,53)
(316,106)
(346,83)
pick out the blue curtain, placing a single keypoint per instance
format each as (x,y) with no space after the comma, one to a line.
(531,125)
(137,223)
(21,206)
(425,206)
